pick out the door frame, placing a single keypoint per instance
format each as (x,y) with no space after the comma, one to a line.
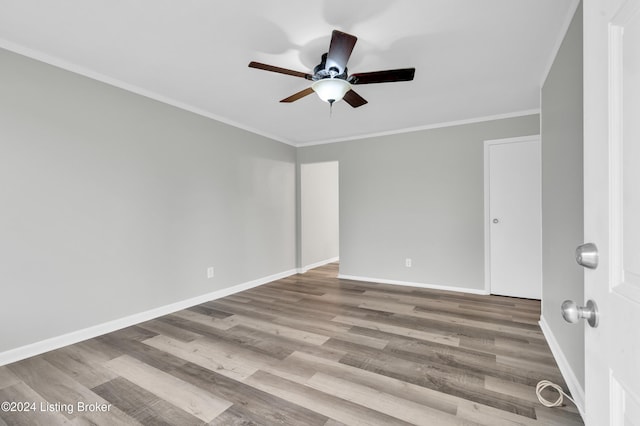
(487,209)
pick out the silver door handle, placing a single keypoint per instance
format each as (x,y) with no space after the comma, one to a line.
(587,255)
(572,313)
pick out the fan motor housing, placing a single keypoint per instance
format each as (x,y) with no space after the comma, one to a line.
(320,71)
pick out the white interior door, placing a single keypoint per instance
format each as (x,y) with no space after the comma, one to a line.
(514,217)
(612,209)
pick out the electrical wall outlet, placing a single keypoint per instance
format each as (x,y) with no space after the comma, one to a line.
(210,272)
(407,262)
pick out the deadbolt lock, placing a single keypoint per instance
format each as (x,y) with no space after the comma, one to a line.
(587,255)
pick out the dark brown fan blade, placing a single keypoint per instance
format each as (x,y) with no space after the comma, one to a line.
(271,68)
(388,76)
(340,50)
(353,99)
(300,94)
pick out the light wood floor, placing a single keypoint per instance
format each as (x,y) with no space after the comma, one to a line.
(306,350)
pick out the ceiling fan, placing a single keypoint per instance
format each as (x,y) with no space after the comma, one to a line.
(331,79)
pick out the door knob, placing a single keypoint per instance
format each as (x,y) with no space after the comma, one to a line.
(495,221)
(572,313)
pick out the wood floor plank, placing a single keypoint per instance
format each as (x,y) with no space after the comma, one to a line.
(529,331)
(318,305)
(382,402)
(183,395)
(319,323)
(7,378)
(99,350)
(149,355)
(464,386)
(278,330)
(19,393)
(523,350)
(238,335)
(470,360)
(250,311)
(402,331)
(424,396)
(222,363)
(451,353)
(267,295)
(332,422)
(402,361)
(230,350)
(169,330)
(211,322)
(547,370)
(56,387)
(208,311)
(520,348)
(134,332)
(522,391)
(361,339)
(450,326)
(253,405)
(283,309)
(308,349)
(491,416)
(143,405)
(82,365)
(558,417)
(470,411)
(320,402)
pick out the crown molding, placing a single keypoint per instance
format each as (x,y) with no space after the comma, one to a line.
(426,127)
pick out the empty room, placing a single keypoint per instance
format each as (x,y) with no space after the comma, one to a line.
(351,212)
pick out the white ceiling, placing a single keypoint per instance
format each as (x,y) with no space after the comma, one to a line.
(473,58)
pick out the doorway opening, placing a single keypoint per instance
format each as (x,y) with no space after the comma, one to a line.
(319,214)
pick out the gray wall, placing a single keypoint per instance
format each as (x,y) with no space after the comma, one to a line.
(319,212)
(562,193)
(416,195)
(113,204)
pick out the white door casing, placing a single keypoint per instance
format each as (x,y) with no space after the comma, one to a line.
(513,245)
(612,209)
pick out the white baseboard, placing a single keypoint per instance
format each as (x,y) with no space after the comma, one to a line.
(412,284)
(577,391)
(317,264)
(57,342)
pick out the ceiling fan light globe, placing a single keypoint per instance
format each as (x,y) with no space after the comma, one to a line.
(331,89)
